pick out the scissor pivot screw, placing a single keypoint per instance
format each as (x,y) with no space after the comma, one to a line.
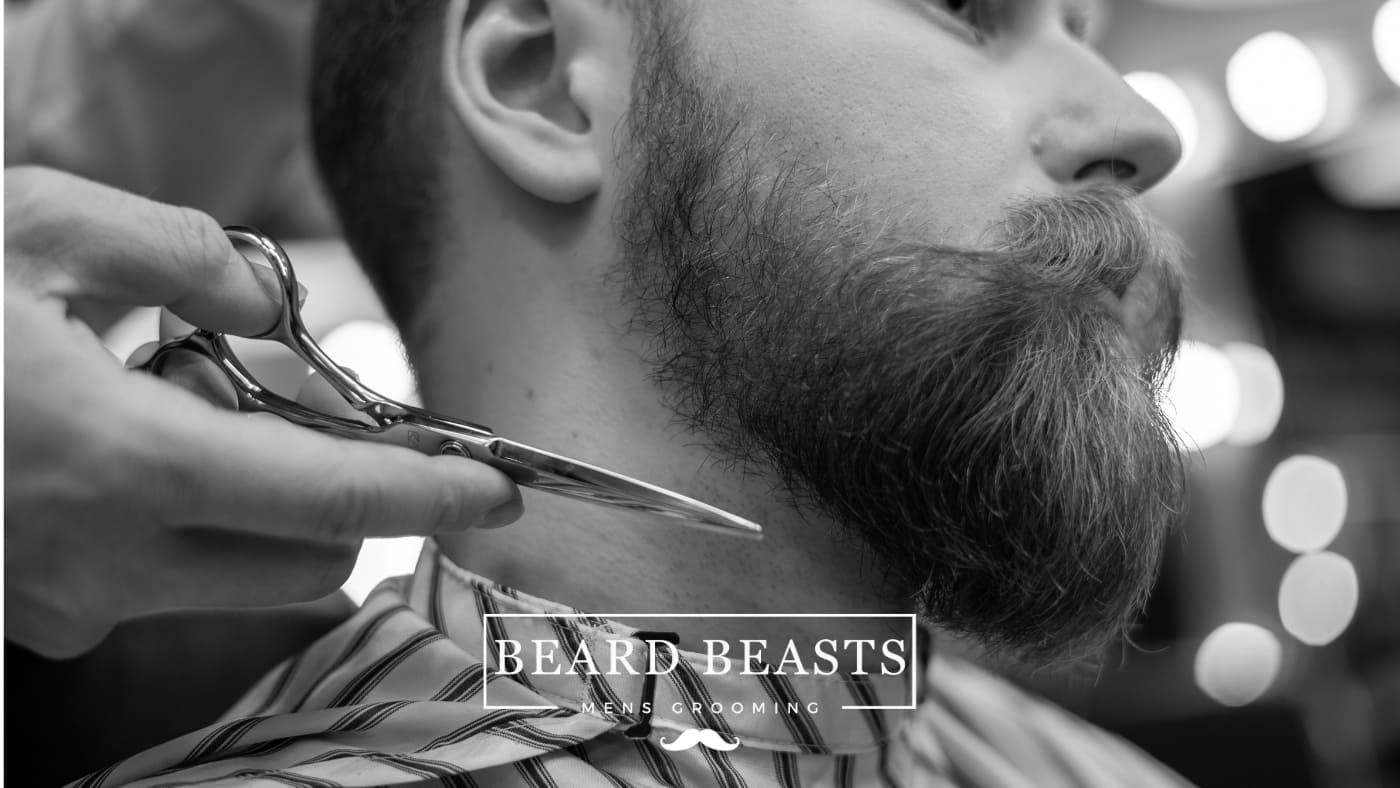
(453,448)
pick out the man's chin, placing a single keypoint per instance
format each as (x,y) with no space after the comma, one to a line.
(1036,604)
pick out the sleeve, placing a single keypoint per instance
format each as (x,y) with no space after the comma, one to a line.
(192,102)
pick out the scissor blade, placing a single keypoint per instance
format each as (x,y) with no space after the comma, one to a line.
(563,476)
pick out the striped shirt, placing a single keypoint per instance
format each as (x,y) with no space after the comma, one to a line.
(407,693)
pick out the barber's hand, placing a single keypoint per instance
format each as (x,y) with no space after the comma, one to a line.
(125,494)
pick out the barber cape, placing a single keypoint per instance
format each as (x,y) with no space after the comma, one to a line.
(401,694)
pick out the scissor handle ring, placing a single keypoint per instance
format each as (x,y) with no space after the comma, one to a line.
(289,319)
(291,331)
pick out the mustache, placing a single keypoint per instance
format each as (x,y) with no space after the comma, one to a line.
(1100,234)
(1055,255)
(712,739)
(1104,237)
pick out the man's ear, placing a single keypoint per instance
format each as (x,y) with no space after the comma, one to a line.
(531,82)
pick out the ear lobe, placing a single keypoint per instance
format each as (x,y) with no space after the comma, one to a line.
(509,77)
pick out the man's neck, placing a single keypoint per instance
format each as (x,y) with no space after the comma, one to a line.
(610,561)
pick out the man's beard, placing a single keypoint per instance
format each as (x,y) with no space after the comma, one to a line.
(976,418)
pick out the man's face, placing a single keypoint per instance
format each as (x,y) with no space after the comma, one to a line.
(877,255)
(945,108)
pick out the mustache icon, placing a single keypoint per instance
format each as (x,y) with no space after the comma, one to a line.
(689,738)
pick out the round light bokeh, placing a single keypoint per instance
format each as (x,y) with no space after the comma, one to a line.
(373,350)
(1386,35)
(1278,87)
(1261,393)
(1237,663)
(1305,503)
(1203,395)
(1170,99)
(1318,597)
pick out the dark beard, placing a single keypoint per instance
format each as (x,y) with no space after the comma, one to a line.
(976,418)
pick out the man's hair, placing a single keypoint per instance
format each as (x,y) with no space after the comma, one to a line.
(379,127)
(377,124)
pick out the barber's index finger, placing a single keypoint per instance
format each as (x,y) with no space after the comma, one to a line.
(107,245)
(267,475)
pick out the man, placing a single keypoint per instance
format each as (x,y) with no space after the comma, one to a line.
(867,273)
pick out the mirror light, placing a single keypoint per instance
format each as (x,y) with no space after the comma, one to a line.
(1170,99)
(1203,396)
(1387,39)
(1318,597)
(1278,87)
(1261,393)
(1237,663)
(1305,503)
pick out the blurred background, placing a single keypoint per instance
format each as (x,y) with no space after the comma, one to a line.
(1270,653)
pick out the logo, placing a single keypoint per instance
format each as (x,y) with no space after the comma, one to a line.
(644,676)
(694,736)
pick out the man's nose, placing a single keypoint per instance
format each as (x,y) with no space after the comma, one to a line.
(1094,129)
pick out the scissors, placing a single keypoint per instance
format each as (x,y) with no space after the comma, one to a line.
(389,421)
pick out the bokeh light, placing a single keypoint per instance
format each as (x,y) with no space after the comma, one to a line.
(374,352)
(1387,39)
(1171,99)
(1305,503)
(380,559)
(1278,87)
(1261,393)
(1237,663)
(1317,598)
(1203,396)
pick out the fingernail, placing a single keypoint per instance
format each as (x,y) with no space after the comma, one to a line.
(503,515)
(267,280)
(272,286)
